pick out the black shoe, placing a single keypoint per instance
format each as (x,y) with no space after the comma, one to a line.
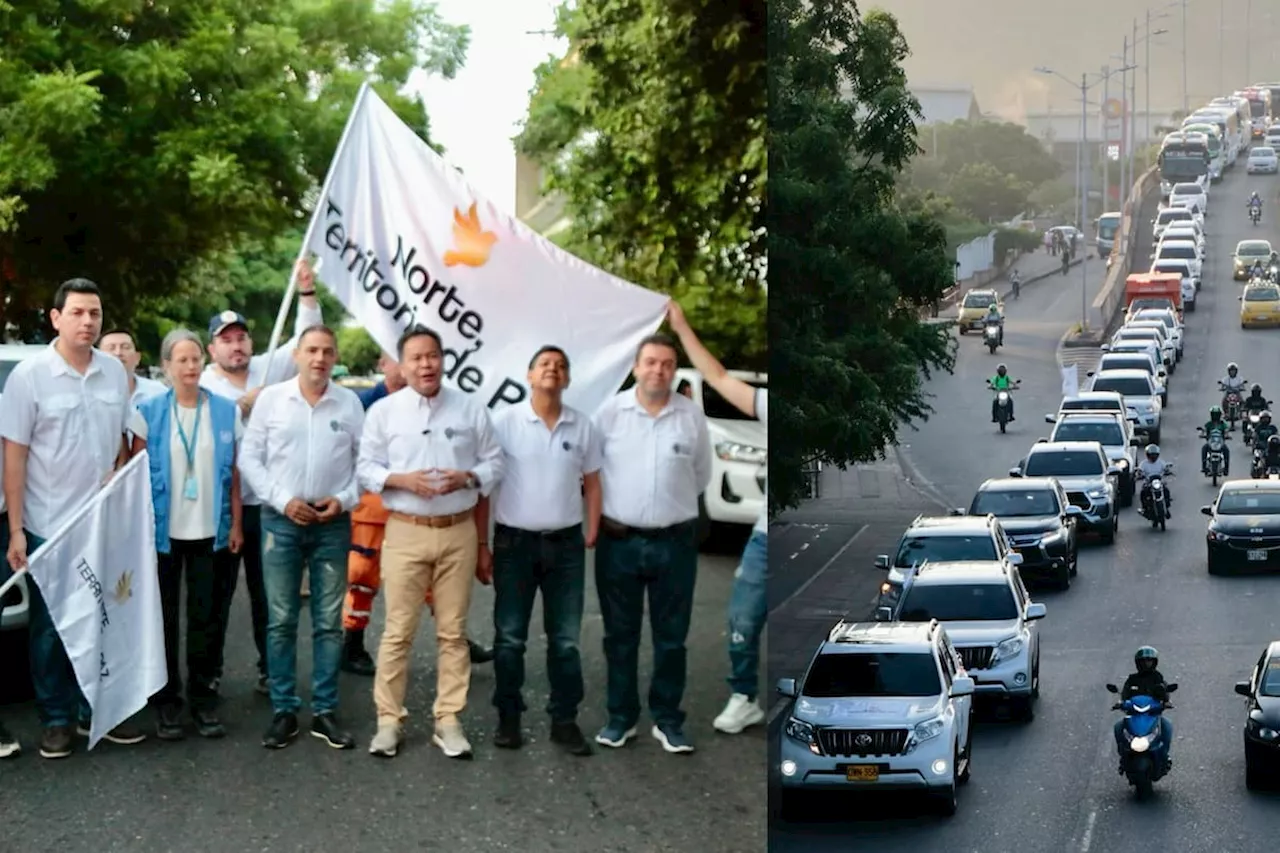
(507,735)
(56,742)
(207,723)
(479,653)
(169,723)
(325,726)
(123,734)
(570,738)
(281,732)
(355,659)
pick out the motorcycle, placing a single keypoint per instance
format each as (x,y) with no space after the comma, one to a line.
(1004,403)
(1273,273)
(992,335)
(1215,462)
(1155,501)
(1259,468)
(1255,213)
(1145,760)
(1231,403)
(1250,424)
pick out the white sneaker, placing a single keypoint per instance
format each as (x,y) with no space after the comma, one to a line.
(741,713)
(387,741)
(452,740)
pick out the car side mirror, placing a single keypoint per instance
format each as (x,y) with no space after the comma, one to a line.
(1015,472)
(1036,610)
(787,687)
(882,562)
(1170,688)
(1050,419)
(1090,373)
(1135,442)
(1015,559)
(1111,688)
(1113,471)
(1206,510)
(956,511)
(1042,440)
(1242,687)
(1074,511)
(884,614)
(962,686)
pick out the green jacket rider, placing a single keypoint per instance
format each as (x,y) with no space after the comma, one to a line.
(1218,425)
(1002,381)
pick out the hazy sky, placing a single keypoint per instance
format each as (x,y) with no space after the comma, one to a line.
(476,114)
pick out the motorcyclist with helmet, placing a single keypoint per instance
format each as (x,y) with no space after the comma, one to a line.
(1233,383)
(1147,681)
(1257,271)
(1218,425)
(1254,404)
(1264,430)
(1255,200)
(1273,263)
(994,318)
(1002,381)
(1271,459)
(1153,467)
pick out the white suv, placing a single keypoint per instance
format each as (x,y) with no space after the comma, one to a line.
(880,706)
(739,450)
(1191,196)
(990,617)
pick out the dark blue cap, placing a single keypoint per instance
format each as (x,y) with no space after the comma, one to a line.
(221,322)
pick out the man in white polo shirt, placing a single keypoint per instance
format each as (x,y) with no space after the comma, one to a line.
(748,604)
(657,460)
(299,454)
(237,374)
(120,343)
(63,421)
(552,457)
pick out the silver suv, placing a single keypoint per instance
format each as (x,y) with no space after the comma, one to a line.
(1088,476)
(990,617)
(1139,391)
(881,706)
(1115,435)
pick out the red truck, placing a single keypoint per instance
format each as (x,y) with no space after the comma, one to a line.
(1152,290)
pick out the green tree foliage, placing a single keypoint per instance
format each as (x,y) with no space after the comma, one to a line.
(358,350)
(138,137)
(653,128)
(847,341)
(987,193)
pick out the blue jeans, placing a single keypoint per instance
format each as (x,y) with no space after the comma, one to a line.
(523,563)
(665,564)
(1166,735)
(748,609)
(59,701)
(286,548)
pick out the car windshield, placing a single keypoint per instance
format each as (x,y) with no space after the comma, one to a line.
(1262,153)
(1063,463)
(1249,502)
(1090,406)
(1253,250)
(945,549)
(1261,294)
(1181,232)
(1107,228)
(1185,252)
(979,300)
(1099,431)
(1128,386)
(718,408)
(834,676)
(1186,189)
(970,602)
(1173,215)
(1161,318)
(1270,685)
(1024,503)
(1182,268)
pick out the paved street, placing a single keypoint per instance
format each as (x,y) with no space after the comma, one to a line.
(1052,784)
(232,795)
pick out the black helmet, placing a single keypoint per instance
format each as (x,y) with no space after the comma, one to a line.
(1233,368)
(1146,659)
(1001,370)
(1256,390)
(1273,444)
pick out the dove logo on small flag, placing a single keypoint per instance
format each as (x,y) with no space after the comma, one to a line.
(1070,380)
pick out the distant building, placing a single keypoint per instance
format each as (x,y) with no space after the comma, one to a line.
(942,105)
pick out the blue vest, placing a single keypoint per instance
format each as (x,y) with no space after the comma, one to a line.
(222,419)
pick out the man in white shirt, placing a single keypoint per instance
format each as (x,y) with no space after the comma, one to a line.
(748,604)
(237,374)
(120,343)
(552,458)
(431,453)
(657,460)
(299,454)
(63,421)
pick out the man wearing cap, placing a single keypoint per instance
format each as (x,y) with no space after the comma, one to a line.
(120,343)
(237,374)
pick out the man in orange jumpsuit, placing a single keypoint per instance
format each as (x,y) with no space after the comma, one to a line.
(368,524)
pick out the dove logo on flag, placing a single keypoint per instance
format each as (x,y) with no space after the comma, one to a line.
(472,243)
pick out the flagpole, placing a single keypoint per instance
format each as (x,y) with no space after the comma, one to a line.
(4,587)
(283,314)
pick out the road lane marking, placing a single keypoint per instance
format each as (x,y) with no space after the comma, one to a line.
(1087,840)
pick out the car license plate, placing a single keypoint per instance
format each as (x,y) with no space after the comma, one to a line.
(1257,554)
(862,773)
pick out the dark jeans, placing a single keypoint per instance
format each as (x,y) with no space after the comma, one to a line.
(286,549)
(194,558)
(1226,458)
(1166,736)
(226,568)
(59,701)
(665,564)
(525,562)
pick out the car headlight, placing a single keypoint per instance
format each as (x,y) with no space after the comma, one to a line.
(801,731)
(1097,494)
(1140,744)
(1053,537)
(929,729)
(1263,732)
(1217,535)
(1007,649)
(731,451)
(1122,462)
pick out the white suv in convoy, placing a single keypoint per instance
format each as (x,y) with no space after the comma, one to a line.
(1191,196)
(1140,391)
(991,619)
(739,450)
(1189,284)
(881,706)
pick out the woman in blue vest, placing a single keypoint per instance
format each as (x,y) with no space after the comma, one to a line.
(192,437)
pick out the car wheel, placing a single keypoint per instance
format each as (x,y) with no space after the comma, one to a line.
(1215,568)
(1075,559)
(1023,708)
(1255,778)
(1062,580)
(790,806)
(945,801)
(1035,678)
(967,755)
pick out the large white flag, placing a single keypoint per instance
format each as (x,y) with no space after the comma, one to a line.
(404,239)
(98,576)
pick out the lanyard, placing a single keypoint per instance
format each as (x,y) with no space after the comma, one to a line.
(189,444)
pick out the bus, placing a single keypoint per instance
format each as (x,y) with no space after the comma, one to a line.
(1105,228)
(1184,157)
(1259,99)
(1228,123)
(1274,88)
(1217,154)
(1244,116)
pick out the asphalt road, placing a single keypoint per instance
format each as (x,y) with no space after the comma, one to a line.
(1052,784)
(232,795)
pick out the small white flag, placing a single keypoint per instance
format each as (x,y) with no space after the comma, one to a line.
(99,579)
(1070,380)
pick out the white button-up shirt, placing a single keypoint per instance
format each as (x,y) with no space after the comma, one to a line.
(144,388)
(542,487)
(655,466)
(73,426)
(406,432)
(292,449)
(279,368)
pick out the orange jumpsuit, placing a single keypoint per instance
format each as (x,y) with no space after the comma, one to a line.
(368,527)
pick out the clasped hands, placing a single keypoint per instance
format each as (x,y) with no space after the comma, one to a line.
(302,513)
(434,482)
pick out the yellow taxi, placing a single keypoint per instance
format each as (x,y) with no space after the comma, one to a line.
(1246,254)
(974,307)
(1260,305)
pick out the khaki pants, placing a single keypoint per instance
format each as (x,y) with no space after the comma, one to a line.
(417,560)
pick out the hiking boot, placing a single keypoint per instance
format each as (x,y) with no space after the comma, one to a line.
(208,723)
(569,737)
(507,735)
(386,743)
(281,732)
(55,742)
(740,713)
(9,746)
(479,653)
(169,723)
(325,726)
(355,659)
(451,739)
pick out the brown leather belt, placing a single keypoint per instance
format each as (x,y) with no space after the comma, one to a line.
(436,521)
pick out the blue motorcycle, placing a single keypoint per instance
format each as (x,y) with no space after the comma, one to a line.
(1145,759)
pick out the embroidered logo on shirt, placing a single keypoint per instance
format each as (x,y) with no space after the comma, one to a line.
(333,425)
(567,446)
(680,449)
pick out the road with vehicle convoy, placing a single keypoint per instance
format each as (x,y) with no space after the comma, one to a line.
(1052,784)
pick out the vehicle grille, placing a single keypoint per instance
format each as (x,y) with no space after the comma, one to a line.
(862,741)
(976,657)
(1079,499)
(1250,543)
(1030,541)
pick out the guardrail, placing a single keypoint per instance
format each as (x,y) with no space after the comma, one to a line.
(1110,300)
